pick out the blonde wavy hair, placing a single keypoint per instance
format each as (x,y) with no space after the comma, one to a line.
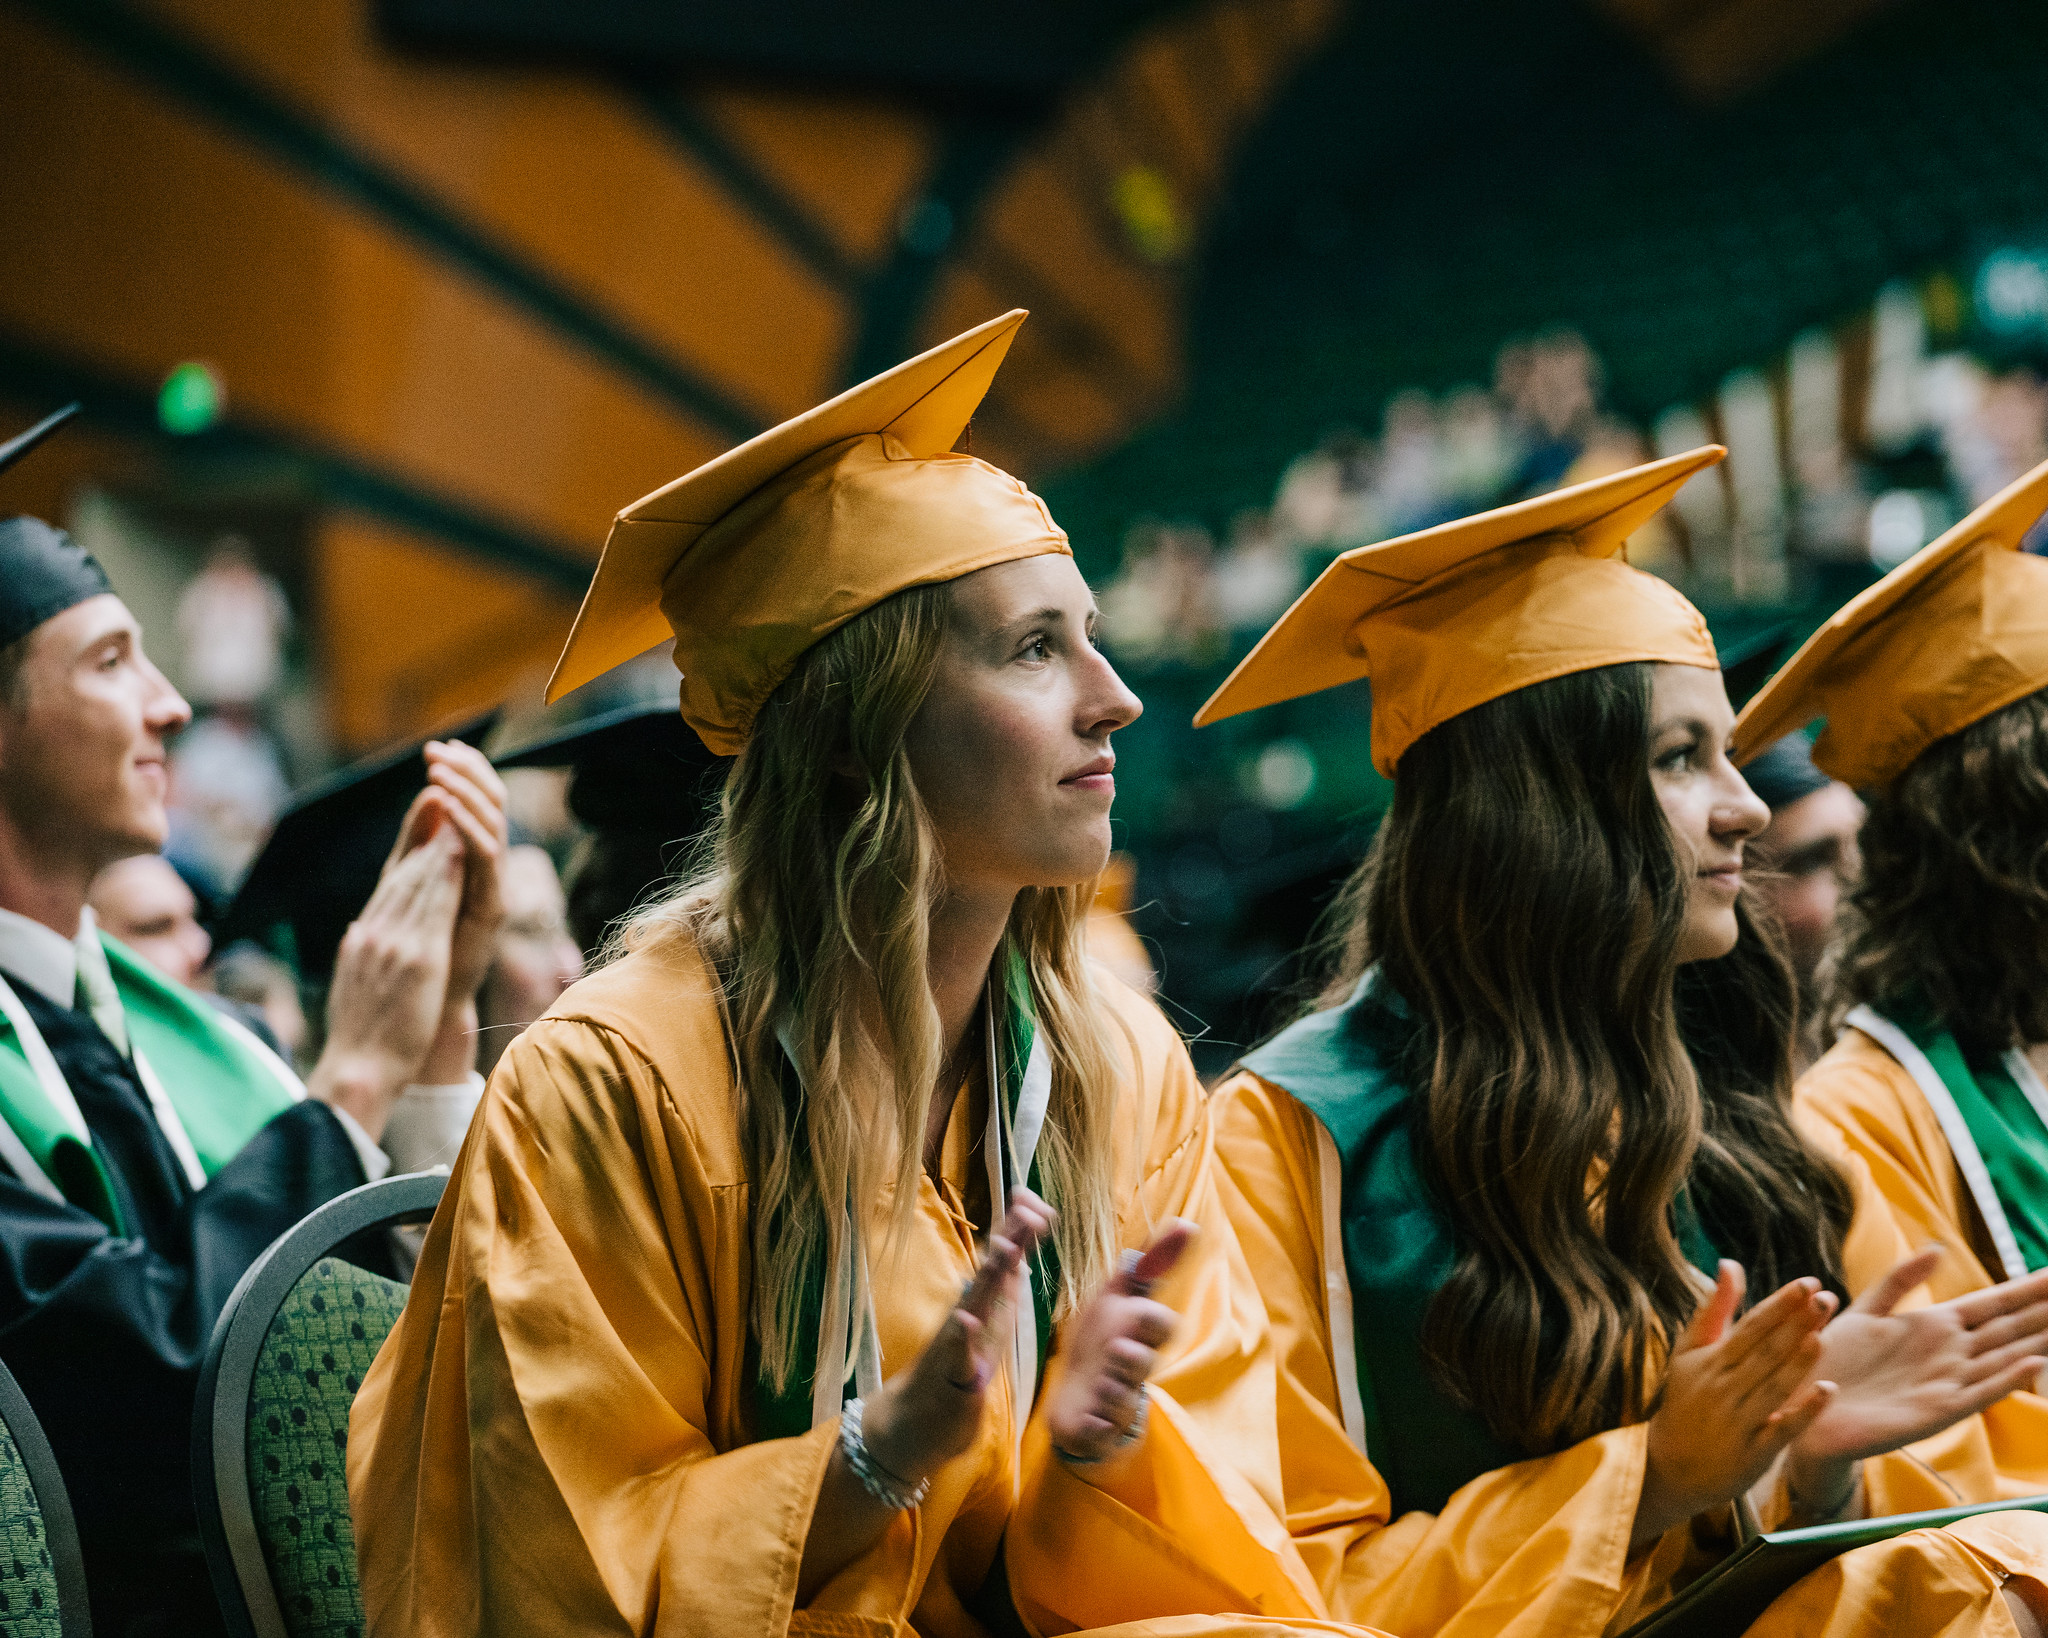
(811,895)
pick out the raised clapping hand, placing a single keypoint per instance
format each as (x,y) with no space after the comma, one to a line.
(1109,1352)
(932,1412)
(1906,1376)
(1734,1397)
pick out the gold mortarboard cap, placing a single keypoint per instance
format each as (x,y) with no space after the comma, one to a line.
(1463,613)
(1957,631)
(756,555)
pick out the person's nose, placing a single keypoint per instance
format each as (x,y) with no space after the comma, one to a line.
(1108,703)
(1739,813)
(166,710)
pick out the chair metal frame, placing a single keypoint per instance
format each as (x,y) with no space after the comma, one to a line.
(220,1411)
(60,1528)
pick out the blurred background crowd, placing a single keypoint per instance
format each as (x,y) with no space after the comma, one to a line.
(380,310)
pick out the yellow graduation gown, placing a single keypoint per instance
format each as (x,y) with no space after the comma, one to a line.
(1540,1546)
(1860,1104)
(556,1436)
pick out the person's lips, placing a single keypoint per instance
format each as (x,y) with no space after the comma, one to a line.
(1097,776)
(1727,878)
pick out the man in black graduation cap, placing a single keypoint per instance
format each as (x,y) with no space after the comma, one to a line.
(151,1148)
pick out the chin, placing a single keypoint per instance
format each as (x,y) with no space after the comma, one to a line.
(1708,938)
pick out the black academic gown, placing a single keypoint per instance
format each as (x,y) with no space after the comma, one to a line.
(106,1334)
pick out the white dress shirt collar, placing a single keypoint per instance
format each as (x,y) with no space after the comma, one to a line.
(42,957)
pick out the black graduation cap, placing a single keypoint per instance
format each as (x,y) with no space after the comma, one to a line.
(1747,663)
(321,863)
(636,767)
(18,446)
(641,783)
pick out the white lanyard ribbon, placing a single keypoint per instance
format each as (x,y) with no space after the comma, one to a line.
(1009,1147)
(1969,1159)
(1337,1288)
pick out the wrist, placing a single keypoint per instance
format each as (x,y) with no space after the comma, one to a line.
(891,1442)
(1820,1490)
(362,1084)
(452,1056)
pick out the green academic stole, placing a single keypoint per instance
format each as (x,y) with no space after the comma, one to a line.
(835,1327)
(1347,1066)
(217,1083)
(1994,1114)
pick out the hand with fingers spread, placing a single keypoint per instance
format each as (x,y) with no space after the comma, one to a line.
(930,1413)
(1734,1397)
(390,984)
(1094,1410)
(464,793)
(1906,1376)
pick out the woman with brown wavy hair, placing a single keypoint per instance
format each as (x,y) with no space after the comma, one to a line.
(796,1275)
(1503,1189)
(1934,683)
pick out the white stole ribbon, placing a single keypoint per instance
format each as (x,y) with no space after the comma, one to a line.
(1009,1146)
(1969,1159)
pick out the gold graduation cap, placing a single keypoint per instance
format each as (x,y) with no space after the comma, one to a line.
(758,554)
(1463,613)
(1957,631)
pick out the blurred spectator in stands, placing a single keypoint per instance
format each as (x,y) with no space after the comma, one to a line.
(232,624)
(1324,498)
(1257,576)
(535,959)
(1406,487)
(1552,389)
(1159,607)
(1479,455)
(227,789)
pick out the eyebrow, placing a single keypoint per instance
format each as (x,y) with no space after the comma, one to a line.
(1047,616)
(1698,725)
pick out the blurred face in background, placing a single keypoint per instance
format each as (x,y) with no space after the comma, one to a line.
(1804,860)
(145,904)
(83,731)
(535,961)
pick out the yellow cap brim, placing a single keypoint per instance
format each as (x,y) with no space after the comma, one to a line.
(1792,698)
(1310,647)
(924,403)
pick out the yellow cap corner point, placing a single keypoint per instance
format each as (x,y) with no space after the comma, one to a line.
(758,554)
(1957,631)
(1454,616)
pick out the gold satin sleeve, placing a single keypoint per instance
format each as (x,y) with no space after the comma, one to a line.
(540,1447)
(1193,1524)
(1858,1106)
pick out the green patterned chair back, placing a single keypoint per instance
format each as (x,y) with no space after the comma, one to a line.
(42,1574)
(270,1427)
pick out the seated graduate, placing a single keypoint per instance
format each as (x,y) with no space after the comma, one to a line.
(1491,1189)
(1934,683)
(150,1146)
(743,1312)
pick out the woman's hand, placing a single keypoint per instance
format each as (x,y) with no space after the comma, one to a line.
(1732,1399)
(932,1412)
(1903,1377)
(1110,1351)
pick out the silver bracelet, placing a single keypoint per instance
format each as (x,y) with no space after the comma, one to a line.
(1123,1441)
(874,1478)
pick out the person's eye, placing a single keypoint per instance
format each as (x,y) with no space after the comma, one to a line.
(1679,759)
(1037,647)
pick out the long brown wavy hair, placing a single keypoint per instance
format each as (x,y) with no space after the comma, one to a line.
(812,894)
(1525,896)
(1952,910)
